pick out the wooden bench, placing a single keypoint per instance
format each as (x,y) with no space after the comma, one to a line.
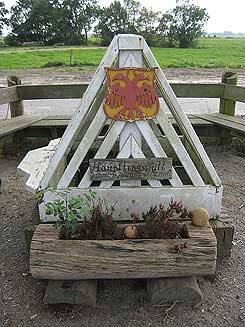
(235,125)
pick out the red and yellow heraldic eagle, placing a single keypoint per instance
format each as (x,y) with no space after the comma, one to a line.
(131,94)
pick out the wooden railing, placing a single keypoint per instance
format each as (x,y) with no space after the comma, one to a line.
(227,93)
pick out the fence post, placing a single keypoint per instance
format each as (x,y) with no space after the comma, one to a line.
(16,108)
(226,106)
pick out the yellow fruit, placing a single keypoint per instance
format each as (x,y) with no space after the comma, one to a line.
(200,217)
(130,231)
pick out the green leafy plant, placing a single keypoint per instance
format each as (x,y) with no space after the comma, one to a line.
(70,210)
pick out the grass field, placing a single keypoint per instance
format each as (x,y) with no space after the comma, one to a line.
(211,53)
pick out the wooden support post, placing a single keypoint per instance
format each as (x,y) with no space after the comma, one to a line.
(182,289)
(224,232)
(16,107)
(226,106)
(72,292)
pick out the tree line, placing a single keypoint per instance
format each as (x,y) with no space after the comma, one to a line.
(70,22)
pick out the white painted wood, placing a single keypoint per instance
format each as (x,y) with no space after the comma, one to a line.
(35,163)
(178,147)
(138,200)
(138,153)
(130,147)
(184,124)
(130,58)
(104,149)
(87,100)
(125,152)
(130,42)
(156,148)
(81,151)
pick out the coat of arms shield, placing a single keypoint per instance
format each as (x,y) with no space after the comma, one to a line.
(131,94)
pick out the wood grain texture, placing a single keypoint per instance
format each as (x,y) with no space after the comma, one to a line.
(52,258)
(15,124)
(119,169)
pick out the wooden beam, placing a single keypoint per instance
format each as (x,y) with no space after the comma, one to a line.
(13,125)
(56,259)
(228,106)
(16,107)
(9,94)
(75,91)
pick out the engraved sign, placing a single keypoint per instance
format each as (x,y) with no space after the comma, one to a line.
(122,169)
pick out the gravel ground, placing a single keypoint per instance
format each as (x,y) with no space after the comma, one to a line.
(120,303)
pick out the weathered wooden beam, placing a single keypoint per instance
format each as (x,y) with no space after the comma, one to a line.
(52,258)
(16,107)
(52,91)
(8,95)
(71,91)
(72,292)
(183,289)
(224,232)
(235,93)
(227,106)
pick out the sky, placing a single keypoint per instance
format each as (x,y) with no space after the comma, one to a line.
(224,15)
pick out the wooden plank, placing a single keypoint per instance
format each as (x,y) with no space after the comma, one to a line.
(15,124)
(104,149)
(194,90)
(130,42)
(179,148)
(156,148)
(219,120)
(52,91)
(130,147)
(56,259)
(233,119)
(119,169)
(75,91)
(125,152)
(138,200)
(167,93)
(9,94)
(81,151)
(86,102)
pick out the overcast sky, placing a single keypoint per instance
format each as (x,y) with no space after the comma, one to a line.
(224,15)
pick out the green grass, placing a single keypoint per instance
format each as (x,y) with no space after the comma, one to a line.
(211,53)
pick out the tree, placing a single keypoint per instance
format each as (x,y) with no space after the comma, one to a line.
(147,23)
(112,21)
(186,23)
(32,20)
(53,21)
(3,19)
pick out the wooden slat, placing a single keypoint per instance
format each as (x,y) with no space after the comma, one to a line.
(130,147)
(15,124)
(81,151)
(104,149)
(193,90)
(138,153)
(167,93)
(125,152)
(75,91)
(52,258)
(179,148)
(86,102)
(52,91)
(229,122)
(156,148)
(9,94)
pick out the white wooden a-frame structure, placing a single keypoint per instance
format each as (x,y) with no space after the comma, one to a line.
(194,179)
